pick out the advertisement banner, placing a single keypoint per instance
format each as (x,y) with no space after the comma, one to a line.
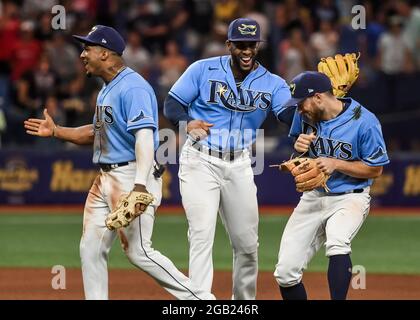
(31,177)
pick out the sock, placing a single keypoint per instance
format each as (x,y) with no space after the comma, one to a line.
(296,292)
(339,276)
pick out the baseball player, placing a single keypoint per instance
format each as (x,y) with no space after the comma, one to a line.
(224,100)
(347,142)
(124,134)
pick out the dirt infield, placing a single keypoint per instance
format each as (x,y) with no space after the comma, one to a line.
(26,283)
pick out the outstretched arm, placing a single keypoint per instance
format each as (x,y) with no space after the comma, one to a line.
(47,128)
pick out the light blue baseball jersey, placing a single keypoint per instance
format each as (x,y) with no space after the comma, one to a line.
(208,89)
(355,134)
(123,106)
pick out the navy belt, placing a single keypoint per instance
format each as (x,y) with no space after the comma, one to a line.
(346,192)
(109,166)
(218,154)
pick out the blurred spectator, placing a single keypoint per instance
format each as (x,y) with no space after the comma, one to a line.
(295,55)
(394,56)
(225,10)
(411,31)
(77,100)
(135,55)
(152,24)
(201,14)
(216,46)
(9,34)
(288,15)
(375,18)
(54,110)
(43,31)
(326,10)
(26,51)
(171,65)
(324,41)
(35,85)
(32,8)
(63,56)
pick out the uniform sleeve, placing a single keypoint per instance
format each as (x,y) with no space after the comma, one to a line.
(372,147)
(296,127)
(139,105)
(280,97)
(187,88)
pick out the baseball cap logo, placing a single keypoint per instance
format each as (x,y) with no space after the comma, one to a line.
(292,87)
(92,30)
(246,29)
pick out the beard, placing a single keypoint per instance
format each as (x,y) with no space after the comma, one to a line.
(316,116)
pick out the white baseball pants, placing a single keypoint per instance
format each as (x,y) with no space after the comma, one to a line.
(210,185)
(97,240)
(319,220)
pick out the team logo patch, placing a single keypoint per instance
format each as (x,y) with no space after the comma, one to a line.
(141,116)
(292,87)
(357,112)
(379,153)
(245,29)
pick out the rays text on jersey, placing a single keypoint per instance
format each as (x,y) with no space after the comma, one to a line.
(332,148)
(249,100)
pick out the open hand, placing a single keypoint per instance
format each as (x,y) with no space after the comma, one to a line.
(40,127)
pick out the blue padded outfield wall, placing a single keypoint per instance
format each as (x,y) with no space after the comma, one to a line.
(31,177)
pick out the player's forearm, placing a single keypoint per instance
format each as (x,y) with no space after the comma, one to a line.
(145,151)
(79,135)
(358,169)
(175,111)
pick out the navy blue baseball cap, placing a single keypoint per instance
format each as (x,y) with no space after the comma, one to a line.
(104,36)
(306,84)
(244,29)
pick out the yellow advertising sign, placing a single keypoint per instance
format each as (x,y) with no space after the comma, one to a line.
(15,176)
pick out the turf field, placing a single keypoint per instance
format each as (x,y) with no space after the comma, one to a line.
(385,244)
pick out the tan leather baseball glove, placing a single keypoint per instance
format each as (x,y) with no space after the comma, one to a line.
(342,71)
(128,208)
(306,173)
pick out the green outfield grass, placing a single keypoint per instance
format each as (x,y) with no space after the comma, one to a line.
(383,245)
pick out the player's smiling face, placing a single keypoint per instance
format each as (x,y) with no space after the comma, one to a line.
(91,58)
(243,54)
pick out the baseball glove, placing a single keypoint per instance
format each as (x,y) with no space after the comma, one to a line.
(306,173)
(342,71)
(128,208)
